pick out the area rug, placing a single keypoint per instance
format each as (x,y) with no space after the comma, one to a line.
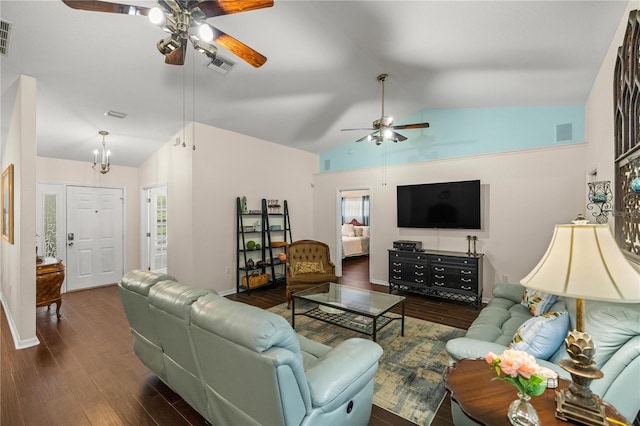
(409,380)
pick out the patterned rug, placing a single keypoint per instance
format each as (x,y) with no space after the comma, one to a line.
(409,379)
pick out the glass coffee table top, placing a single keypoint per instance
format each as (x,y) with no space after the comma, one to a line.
(349,307)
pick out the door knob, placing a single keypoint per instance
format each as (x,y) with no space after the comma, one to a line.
(70,244)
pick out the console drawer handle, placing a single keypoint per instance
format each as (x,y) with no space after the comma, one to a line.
(420,281)
(397,270)
(438,284)
(419,274)
(396,264)
(438,269)
(464,287)
(396,278)
(419,266)
(439,276)
(466,272)
(465,280)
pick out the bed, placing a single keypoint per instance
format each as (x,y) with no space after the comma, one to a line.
(355,240)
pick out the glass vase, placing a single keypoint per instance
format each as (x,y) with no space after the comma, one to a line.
(522,413)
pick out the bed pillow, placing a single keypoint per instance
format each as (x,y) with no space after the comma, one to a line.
(308,267)
(537,302)
(348,230)
(541,336)
(365,231)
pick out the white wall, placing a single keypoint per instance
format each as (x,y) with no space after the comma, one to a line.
(524,195)
(52,170)
(18,271)
(202,190)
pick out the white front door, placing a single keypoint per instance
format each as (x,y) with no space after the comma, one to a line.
(155,241)
(94,236)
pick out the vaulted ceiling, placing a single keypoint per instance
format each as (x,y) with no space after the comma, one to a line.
(320,76)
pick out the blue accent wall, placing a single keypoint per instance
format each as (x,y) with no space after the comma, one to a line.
(463,132)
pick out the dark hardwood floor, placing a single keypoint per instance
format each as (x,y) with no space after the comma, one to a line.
(84,371)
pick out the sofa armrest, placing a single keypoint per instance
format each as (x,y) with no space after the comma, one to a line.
(354,361)
(508,291)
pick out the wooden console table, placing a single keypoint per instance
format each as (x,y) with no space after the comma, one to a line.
(49,278)
(486,401)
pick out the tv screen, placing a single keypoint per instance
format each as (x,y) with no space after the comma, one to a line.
(450,205)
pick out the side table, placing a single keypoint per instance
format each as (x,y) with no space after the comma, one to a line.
(49,278)
(486,401)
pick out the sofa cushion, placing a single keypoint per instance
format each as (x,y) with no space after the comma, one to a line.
(537,302)
(542,335)
(610,328)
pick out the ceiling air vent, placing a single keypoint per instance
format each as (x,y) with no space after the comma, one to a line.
(5,36)
(221,64)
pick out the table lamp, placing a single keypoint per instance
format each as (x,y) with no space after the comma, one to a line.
(583,262)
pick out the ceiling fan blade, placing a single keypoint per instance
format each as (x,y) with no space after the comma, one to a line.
(238,48)
(177,56)
(225,7)
(411,126)
(397,137)
(364,138)
(366,128)
(103,6)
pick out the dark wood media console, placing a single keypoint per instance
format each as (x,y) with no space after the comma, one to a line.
(444,274)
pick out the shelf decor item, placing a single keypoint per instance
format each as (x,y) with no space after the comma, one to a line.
(521,370)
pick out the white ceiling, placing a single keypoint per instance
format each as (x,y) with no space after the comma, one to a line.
(320,77)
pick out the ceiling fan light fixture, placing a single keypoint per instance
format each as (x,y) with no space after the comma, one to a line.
(169,44)
(156,16)
(387,133)
(206,49)
(205,33)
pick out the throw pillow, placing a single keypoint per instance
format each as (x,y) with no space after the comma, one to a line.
(537,302)
(308,267)
(358,232)
(541,336)
(348,230)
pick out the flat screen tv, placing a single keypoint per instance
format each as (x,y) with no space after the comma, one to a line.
(450,205)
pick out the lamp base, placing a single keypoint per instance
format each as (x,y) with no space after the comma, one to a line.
(569,411)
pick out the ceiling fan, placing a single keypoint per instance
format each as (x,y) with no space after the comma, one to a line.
(185,20)
(383,128)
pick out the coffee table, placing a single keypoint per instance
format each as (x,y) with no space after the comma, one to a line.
(357,309)
(486,401)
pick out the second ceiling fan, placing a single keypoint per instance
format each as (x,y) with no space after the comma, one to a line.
(383,128)
(185,20)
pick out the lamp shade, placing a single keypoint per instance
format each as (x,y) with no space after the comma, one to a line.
(584,261)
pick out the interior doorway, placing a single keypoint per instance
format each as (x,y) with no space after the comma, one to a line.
(354,230)
(155,229)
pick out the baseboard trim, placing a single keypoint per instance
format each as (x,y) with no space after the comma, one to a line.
(17,341)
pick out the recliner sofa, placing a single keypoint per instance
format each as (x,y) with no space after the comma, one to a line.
(240,365)
(614,328)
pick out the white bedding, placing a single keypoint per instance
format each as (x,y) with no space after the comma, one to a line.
(355,240)
(354,246)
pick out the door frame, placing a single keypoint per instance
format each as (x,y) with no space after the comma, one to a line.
(339,191)
(145,225)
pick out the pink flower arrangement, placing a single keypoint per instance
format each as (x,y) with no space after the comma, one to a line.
(521,370)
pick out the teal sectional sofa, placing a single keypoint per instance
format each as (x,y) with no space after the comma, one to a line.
(614,328)
(240,365)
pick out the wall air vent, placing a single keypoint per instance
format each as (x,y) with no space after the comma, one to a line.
(564,132)
(5,37)
(221,64)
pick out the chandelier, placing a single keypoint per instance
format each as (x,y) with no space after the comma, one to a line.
(105,163)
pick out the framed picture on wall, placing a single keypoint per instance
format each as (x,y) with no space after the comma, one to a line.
(7,204)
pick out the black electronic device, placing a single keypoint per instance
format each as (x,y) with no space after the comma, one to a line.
(447,205)
(407,245)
